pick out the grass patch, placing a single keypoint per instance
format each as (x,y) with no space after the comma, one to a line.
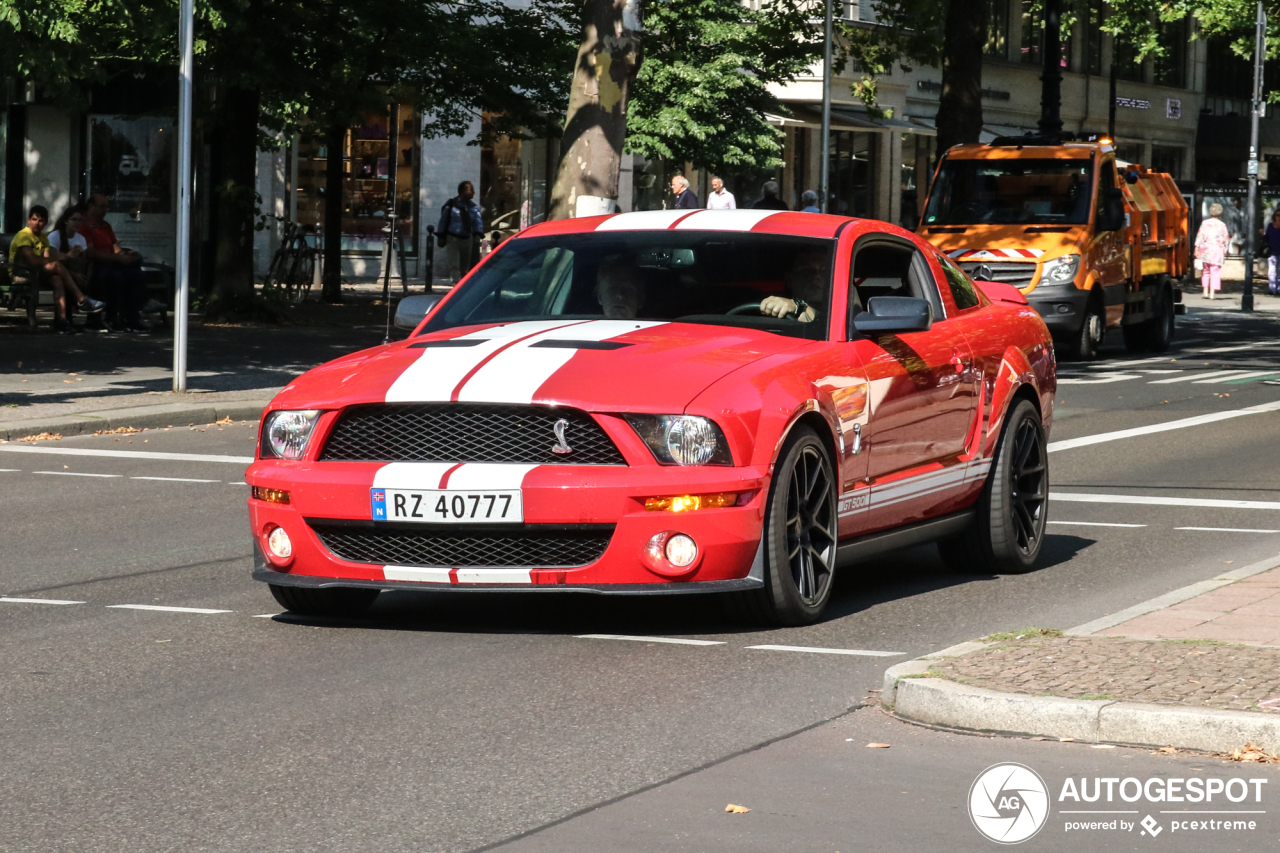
(1024,634)
(1097,696)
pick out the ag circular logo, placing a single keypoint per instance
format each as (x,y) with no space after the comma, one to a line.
(1008,803)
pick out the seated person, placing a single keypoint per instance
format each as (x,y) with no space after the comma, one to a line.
(117,271)
(620,289)
(69,245)
(30,247)
(806,281)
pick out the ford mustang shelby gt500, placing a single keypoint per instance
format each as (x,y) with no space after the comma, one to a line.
(667,402)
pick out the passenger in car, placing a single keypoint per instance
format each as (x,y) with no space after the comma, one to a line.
(620,289)
(806,281)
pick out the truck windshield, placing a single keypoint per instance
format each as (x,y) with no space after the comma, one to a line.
(972,192)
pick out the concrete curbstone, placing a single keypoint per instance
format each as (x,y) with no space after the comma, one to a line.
(140,417)
(896,672)
(1203,729)
(938,702)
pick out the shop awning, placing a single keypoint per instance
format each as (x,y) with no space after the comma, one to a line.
(843,117)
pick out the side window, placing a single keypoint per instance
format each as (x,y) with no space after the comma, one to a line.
(890,269)
(1106,180)
(962,289)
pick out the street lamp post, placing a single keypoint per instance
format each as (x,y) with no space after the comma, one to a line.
(186,46)
(826,105)
(1251,208)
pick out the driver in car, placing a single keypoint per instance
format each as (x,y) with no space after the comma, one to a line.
(806,282)
(620,289)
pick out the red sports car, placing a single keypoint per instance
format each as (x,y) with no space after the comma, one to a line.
(731,402)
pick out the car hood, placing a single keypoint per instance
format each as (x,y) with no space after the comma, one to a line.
(597,365)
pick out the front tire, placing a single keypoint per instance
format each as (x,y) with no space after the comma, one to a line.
(1089,337)
(799,535)
(325,601)
(1008,532)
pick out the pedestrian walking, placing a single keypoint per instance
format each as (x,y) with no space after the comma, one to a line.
(1211,250)
(1272,235)
(720,198)
(458,230)
(809,199)
(686,199)
(770,200)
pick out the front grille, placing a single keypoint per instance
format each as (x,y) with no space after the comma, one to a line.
(467,432)
(453,548)
(1017,274)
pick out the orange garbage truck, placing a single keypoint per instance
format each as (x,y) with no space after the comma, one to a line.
(1091,246)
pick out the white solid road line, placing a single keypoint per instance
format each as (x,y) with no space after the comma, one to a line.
(1183,423)
(1228,529)
(128,454)
(673,640)
(1097,524)
(165,609)
(1238,376)
(818,651)
(37,601)
(1151,500)
(75,474)
(176,479)
(1194,377)
(10,470)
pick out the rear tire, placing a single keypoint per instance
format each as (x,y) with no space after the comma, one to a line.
(325,601)
(1008,532)
(1159,329)
(799,536)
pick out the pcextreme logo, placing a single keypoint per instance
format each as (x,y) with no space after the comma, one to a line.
(1008,803)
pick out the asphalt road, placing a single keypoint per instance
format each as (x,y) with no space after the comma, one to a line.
(449,722)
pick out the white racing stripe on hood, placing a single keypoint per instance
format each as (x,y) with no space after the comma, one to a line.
(725,220)
(438,370)
(642,220)
(483,476)
(411,475)
(516,374)
(413,573)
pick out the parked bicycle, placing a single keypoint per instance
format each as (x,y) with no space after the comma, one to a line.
(296,264)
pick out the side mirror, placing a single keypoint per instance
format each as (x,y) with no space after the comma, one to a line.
(412,309)
(1112,217)
(888,315)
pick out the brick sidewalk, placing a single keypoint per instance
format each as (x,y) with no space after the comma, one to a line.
(1218,650)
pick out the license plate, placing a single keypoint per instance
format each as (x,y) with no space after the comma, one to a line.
(446,506)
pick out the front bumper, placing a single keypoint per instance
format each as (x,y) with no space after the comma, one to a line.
(728,538)
(1061,306)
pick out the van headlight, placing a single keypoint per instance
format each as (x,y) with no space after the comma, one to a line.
(286,434)
(682,439)
(1062,269)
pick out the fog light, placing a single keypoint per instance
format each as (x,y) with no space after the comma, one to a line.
(1064,309)
(681,550)
(279,545)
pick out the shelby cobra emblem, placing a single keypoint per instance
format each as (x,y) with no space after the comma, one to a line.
(561,448)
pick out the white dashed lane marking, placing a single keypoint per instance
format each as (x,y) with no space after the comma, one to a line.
(1182,423)
(176,479)
(820,651)
(1196,377)
(1153,500)
(37,601)
(677,641)
(165,609)
(1228,529)
(1097,524)
(78,474)
(129,454)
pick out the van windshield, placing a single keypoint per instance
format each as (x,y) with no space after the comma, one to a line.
(973,192)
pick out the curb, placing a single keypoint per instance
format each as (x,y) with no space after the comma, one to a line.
(151,417)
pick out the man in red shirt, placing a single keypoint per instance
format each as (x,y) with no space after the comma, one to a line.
(117,272)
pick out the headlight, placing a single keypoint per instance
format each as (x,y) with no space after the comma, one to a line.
(286,434)
(682,439)
(1061,269)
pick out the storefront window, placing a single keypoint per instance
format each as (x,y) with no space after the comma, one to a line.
(368,162)
(997,29)
(852,158)
(133,162)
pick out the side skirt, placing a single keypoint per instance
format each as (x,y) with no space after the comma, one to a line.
(930,530)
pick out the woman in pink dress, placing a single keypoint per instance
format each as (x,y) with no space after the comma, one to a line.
(1211,249)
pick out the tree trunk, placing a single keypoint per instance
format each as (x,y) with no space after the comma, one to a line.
(960,107)
(235,147)
(333,175)
(596,122)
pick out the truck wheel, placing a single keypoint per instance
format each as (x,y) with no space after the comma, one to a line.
(1159,329)
(327,601)
(1008,531)
(1089,338)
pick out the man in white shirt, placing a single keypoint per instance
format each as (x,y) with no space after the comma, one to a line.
(720,198)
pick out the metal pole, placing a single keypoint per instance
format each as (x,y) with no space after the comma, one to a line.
(826,107)
(1251,209)
(186,47)
(1051,76)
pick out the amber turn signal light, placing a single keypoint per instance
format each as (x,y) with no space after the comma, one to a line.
(271,496)
(686,503)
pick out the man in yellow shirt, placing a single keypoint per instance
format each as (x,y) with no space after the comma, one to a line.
(30,248)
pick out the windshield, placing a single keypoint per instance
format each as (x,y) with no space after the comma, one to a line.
(776,283)
(972,192)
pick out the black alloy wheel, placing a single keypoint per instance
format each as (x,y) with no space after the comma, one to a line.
(799,535)
(1011,513)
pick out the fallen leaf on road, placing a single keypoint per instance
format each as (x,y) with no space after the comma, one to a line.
(877,746)
(1168,750)
(1252,753)
(1102,746)
(44,436)
(1066,740)
(732,809)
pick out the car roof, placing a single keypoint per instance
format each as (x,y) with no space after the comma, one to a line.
(791,223)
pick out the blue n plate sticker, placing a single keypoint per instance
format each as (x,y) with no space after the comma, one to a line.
(378,500)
